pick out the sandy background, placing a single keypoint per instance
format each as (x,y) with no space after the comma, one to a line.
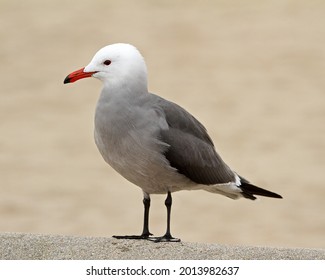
(251,71)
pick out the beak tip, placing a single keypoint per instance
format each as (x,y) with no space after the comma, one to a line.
(67,80)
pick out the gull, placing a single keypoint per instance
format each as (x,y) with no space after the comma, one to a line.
(152,142)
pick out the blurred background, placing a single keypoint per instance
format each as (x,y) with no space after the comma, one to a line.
(251,71)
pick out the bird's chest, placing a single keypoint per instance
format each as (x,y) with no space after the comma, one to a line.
(126,137)
(128,140)
(112,132)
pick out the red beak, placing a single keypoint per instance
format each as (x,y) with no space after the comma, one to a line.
(77,75)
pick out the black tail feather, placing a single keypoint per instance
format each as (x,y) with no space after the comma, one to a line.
(250,190)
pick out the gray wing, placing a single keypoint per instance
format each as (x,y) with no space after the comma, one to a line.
(191,150)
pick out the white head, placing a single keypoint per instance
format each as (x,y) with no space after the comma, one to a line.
(118,65)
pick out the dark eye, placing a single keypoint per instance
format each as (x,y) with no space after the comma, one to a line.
(107,62)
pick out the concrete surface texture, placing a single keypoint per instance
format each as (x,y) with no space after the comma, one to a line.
(21,246)
(251,71)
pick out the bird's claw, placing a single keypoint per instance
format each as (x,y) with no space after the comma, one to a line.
(142,236)
(165,238)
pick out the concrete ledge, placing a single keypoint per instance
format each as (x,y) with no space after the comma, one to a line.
(22,246)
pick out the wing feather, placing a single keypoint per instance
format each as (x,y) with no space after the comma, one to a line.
(191,150)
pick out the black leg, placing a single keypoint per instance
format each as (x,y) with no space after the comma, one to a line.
(145,232)
(167,237)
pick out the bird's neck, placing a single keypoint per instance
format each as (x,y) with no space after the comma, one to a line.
(132,86)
